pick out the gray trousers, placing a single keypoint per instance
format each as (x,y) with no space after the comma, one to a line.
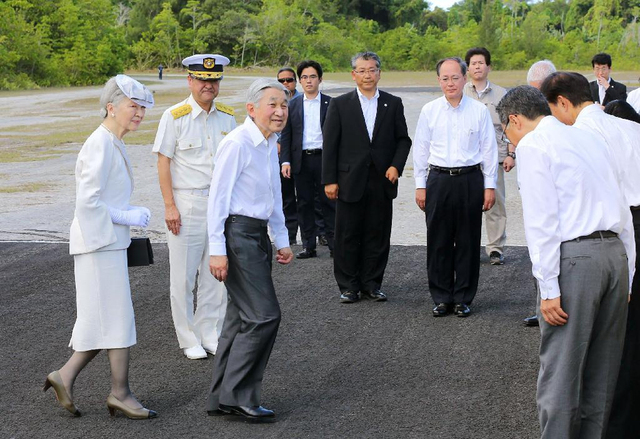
(579,361)
(253,316)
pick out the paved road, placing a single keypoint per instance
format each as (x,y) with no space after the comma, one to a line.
(368,370)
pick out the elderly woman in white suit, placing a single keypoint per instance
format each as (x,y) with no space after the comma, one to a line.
(99,240)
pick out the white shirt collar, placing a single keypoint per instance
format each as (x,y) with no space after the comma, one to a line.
(196,109)
(361,96)
(254,132)
(447,106)
(587,111)
(317,98)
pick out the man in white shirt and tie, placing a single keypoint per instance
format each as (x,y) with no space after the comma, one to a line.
(455,167)
(570,101)
(580,237)
(247,197)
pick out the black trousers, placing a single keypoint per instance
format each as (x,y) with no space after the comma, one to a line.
(626,400)
(308,188)
(253,316)
(362,238)
(454,222)
(289,206)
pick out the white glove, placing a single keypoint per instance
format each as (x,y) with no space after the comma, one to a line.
(141,208)
(135,217)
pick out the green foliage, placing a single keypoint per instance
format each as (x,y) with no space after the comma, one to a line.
(76,42)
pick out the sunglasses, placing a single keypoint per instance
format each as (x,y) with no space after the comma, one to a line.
(287,80)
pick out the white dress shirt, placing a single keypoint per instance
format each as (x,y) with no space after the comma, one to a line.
(622,137)
(601,90)
(633,98)
(454,137)
(190,141)
(568,189)
(311,132)
(369,110)
(246,181)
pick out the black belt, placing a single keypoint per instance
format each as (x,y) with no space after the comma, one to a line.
(312,151)
(242,219)
(597,235)
(454,171)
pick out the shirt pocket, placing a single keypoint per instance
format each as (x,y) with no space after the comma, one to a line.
(192,144)
(470,137)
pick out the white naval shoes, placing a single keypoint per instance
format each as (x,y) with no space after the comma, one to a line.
(195,353)
(212,349)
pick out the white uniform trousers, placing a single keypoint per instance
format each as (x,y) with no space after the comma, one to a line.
(495,219)
(188,258)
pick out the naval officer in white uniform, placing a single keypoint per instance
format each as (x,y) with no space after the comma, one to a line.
(186,143)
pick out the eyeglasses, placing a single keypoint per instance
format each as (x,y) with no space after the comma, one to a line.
(504,137)
(305,77)
(287,80)
(601,69)
(364,72)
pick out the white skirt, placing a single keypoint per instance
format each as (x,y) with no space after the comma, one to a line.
(105,317)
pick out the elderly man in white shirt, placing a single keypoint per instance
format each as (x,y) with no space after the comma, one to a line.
(580,237)
(570,101)
(247,197)
(455,167)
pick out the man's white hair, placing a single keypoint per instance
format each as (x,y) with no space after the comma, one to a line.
(540,70)
(257,88)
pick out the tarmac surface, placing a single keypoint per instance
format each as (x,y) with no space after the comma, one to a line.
(367,370)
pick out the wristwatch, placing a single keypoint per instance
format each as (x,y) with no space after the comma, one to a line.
(512,155)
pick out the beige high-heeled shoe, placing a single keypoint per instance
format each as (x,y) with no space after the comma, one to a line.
(55,380)
(114,404)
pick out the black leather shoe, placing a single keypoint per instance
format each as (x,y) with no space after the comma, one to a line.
(349,297)
(441,309)
(306,254)
(531,321)
(461,310)
(376,295)
(322,240)
(257,413)
(216,413)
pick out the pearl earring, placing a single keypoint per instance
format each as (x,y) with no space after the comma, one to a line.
(113,115)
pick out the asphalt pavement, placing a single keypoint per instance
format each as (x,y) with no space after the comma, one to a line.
(366,370)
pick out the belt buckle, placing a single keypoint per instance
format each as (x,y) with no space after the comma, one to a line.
(454,171)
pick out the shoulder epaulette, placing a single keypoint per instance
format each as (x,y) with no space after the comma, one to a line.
(182,110)
(225,109)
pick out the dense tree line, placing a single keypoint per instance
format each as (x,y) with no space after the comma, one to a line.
(75,42)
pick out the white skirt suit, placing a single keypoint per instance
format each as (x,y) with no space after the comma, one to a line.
(105,318)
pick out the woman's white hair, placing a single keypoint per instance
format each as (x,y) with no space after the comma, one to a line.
(111,94)
(257,88)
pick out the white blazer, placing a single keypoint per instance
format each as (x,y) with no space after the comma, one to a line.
(103,179)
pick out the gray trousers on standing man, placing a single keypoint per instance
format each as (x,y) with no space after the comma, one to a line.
(253,316)
(579,361)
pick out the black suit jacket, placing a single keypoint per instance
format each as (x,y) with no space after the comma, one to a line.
(348,152)
(614,92)
(291,138)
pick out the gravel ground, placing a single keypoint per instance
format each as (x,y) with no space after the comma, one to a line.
(367,370)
